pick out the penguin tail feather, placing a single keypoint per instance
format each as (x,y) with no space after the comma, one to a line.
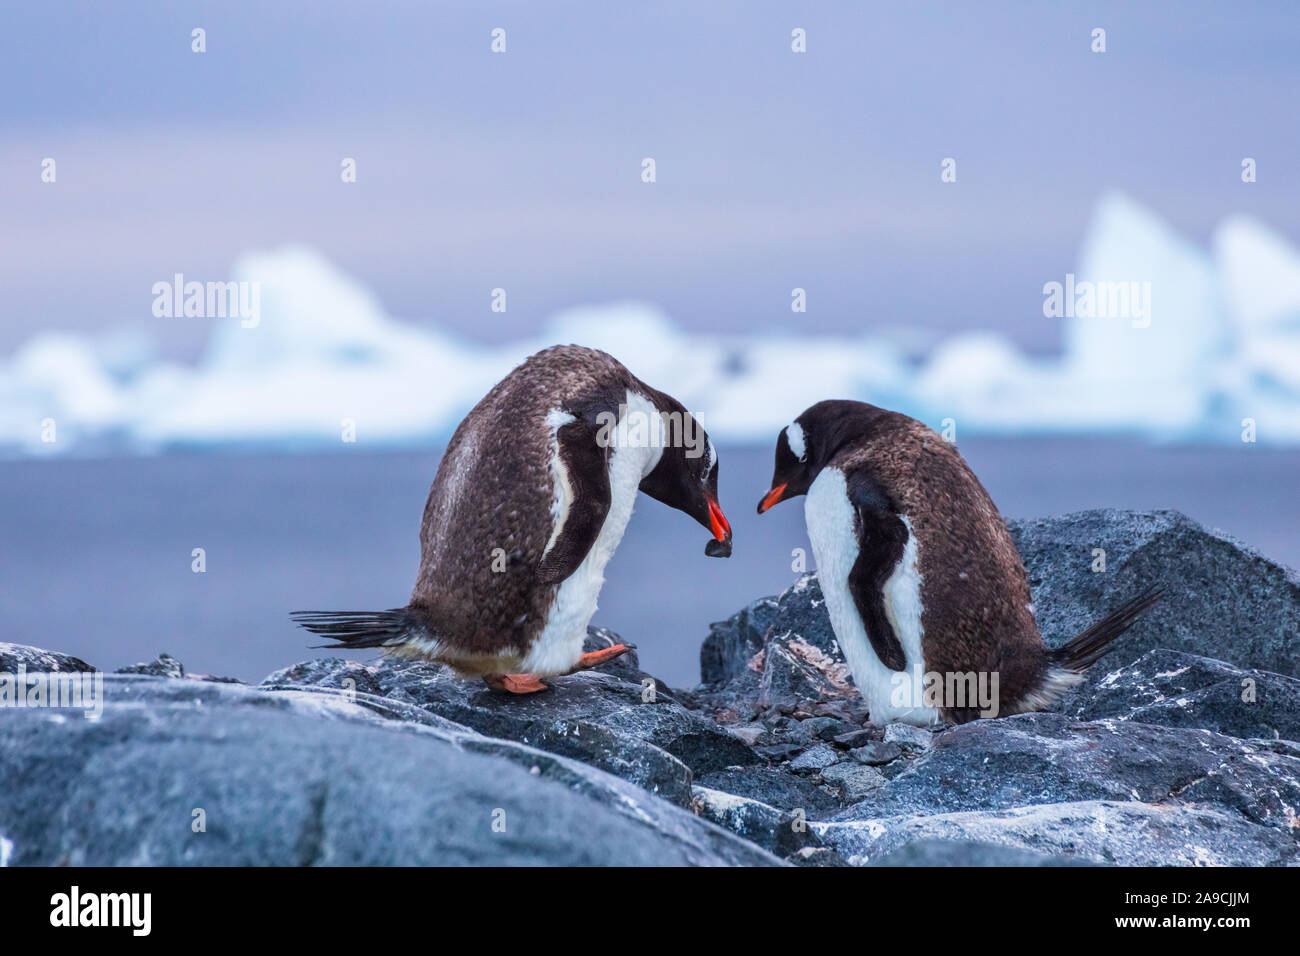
(354,629)
(1082,652)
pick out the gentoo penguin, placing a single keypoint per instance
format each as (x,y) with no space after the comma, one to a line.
(530,500)
(919,572)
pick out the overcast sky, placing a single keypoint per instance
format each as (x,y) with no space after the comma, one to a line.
(522,170)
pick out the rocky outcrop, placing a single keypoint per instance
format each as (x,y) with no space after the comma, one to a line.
(33,659)
(1223,600)
(187,772)
(1125,834)
(1183,690)
(1160,756)
(1180,748)
(614,717)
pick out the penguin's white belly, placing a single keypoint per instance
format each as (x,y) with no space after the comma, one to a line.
(890,695)
(559,645)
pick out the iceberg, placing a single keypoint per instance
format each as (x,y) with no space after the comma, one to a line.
(1205,341)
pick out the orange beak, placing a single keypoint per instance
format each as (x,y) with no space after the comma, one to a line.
(718,523)
(771,498)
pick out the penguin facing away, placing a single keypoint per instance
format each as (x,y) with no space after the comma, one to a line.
(920,575)
(530,500)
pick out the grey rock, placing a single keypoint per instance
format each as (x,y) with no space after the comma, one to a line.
(780,752)
(36,660)
(817,728)
(1099,831)
(778,651)
(784,705)
(335,672)
(832,731)
(1031,759)
(779,831)
(876,753)
(164,665)
(1288,748)
(787,675)
(1184,690)
(1154,759)
(801,613)
(816,758)
(1162,749)
(853,780)
(775,787)
(731,645)
(311,777)
(856,738)
(941,852)
(591,716)
(908,737)
(817,856)
(786,726)
(645,765)
(749,734)
(1223,599)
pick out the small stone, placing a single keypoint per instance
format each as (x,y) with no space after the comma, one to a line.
(757,822)
(908,737)
(817,856)
(783,725)
(832,709)
(856,713)
(876,753)
(749,734)
(816,758)
(854,781)
(775,786)
(856,738)
(811,728)
(829,732)
(779,752)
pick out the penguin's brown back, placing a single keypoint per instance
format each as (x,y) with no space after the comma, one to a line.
(488,517)
(975,593)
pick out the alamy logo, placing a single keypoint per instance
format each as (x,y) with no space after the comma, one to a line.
(56,690)
(631,428)
(956,690)
(208,300)
(1098,300)
(74,908)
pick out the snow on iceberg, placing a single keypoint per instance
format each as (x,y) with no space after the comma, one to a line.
(1209,339)
(322,354)
(1145,331)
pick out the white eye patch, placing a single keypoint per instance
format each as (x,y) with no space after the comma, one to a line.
(794,435)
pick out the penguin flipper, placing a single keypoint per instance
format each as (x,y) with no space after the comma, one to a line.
(881,539)
(586,470)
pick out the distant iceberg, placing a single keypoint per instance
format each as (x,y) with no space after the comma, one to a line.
(1208,339)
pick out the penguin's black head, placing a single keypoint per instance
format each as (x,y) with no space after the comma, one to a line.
(686,478)
(807,445)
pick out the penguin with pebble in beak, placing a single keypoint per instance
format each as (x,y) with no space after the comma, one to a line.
(529,503)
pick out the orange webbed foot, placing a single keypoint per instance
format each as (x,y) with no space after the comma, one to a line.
(515,683)
(596,658)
